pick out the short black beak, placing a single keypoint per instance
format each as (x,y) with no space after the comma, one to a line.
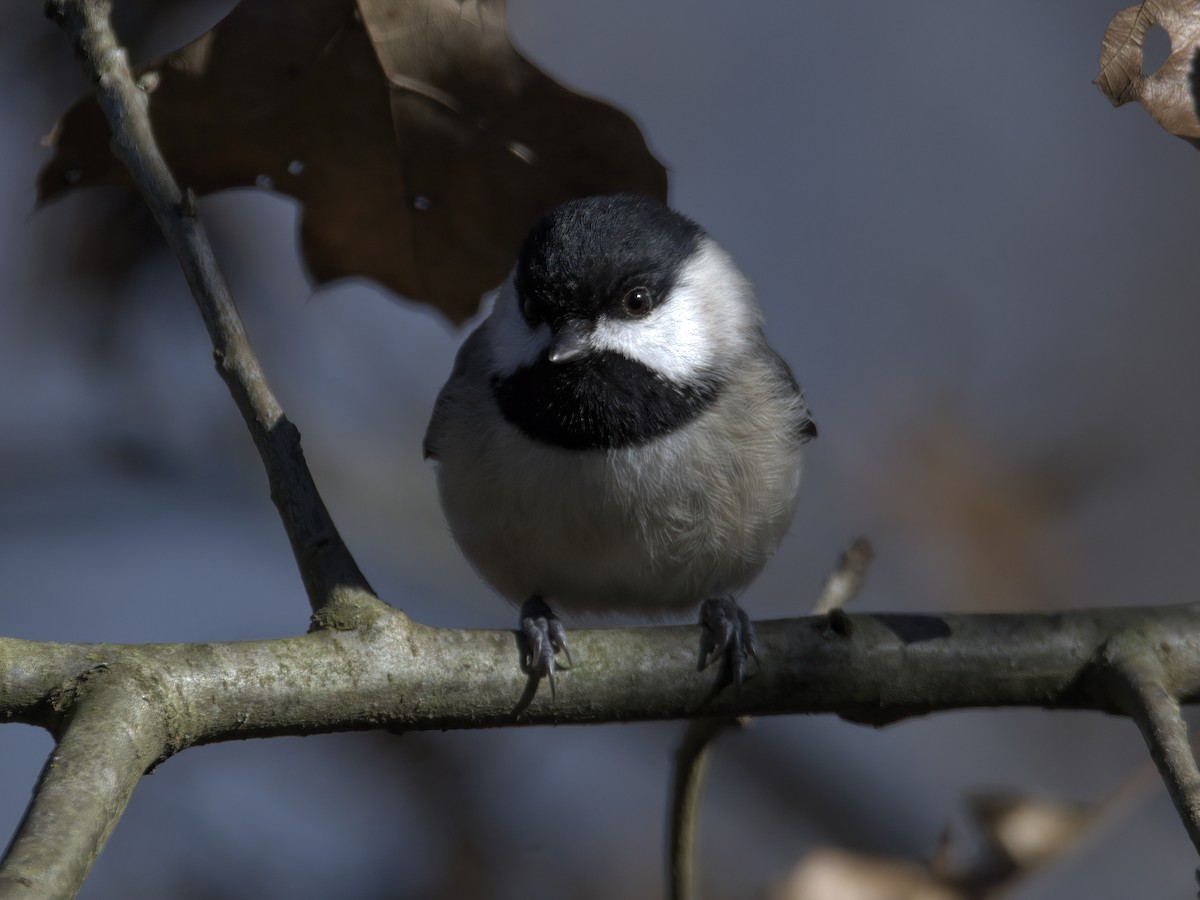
(570,342)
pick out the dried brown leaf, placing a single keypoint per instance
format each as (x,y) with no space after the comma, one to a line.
(1166,93)
(420,144)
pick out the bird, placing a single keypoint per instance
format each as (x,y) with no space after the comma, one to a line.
(617,436)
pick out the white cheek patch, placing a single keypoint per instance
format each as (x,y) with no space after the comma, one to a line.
(513,344)
(673,340)
(708,315)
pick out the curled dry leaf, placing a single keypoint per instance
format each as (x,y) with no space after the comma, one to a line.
(419,143)
(1166,94)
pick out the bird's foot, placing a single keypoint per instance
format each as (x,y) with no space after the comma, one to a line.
(729,637)
(544,635)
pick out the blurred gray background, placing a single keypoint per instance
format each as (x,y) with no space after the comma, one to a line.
(984,276)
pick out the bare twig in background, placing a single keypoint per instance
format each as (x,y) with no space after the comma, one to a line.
(687,787)
(846,579)
(1145,691)
(337,590)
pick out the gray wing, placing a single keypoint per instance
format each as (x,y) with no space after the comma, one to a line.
(803,425)
(455,403)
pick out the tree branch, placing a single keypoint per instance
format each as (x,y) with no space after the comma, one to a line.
(111,736)
(337,590)
(1146,691)
(402,675)
(397,674)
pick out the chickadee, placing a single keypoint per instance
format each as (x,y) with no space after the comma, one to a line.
(617,436)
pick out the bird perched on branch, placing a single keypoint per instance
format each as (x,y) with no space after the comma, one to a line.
(617,436)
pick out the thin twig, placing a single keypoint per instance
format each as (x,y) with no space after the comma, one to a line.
(846,579)
(691,766)
(337,590)
(1143,689)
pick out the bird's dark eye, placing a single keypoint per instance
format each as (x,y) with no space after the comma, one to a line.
(637,302)
(529,309)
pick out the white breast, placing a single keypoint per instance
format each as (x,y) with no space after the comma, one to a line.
(649,530)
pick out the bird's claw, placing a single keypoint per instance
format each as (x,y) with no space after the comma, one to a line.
(729,637)
(544,636)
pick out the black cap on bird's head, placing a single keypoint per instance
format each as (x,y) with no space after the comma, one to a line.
(616,254)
